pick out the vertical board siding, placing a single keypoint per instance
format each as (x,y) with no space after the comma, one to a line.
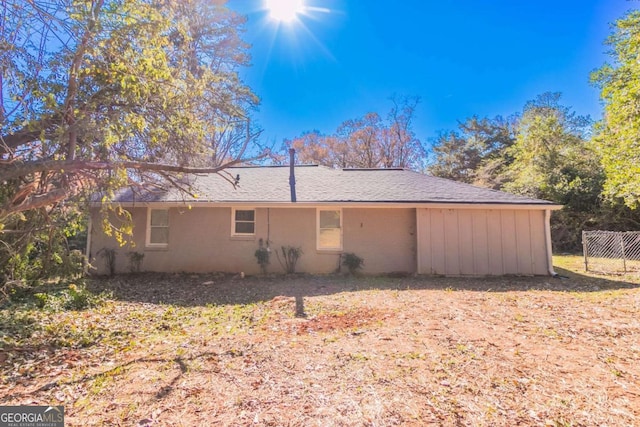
(452,249)
(423,231)
(436,243)
(494,237)
(481,242)
(538,245)
(465,242)
(509,242)
(523,249)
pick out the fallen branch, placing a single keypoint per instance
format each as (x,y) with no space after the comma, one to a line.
(36,202)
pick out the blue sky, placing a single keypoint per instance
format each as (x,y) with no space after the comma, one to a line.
(344,58)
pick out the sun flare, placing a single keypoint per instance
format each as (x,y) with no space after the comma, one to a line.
(285,10)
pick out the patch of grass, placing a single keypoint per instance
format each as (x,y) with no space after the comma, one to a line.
(102,381)
(358,357)
(574,264)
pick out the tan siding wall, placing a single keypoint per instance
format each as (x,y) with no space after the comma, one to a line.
(451,244)
(523,248)
(481,242)
(465,242)
(200,241)
(538,245)
(438,243)
(494,237)
(509,242)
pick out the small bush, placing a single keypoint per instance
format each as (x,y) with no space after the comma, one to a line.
(135,261)
(71,264)
(352,261)
(262,254)
(109,256)
(290,257)
(41,299)
(15,290)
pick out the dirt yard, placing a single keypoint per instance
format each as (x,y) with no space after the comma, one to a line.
(205,350)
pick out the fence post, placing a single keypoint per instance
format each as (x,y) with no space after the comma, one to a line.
(584,251)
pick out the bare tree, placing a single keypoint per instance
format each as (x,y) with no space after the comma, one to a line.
(367,142)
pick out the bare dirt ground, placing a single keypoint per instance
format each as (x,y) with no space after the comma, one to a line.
(204,350)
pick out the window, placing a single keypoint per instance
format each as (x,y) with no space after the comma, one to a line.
(158,227)
(244,222)
(330,229)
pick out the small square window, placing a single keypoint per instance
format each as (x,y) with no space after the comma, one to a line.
(244,222)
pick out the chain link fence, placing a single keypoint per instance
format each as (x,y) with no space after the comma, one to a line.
(611,251)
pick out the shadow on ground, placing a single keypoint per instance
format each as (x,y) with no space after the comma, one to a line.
(221,289)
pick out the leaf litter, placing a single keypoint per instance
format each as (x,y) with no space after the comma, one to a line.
(188,350)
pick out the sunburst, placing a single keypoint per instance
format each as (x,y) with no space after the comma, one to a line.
(285,11)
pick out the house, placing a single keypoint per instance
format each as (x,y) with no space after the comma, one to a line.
(396,220)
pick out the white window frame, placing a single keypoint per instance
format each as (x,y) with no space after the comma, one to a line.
(320,248)
(148,238)
(233,222)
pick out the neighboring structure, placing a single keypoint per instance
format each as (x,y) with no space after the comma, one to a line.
(397,220)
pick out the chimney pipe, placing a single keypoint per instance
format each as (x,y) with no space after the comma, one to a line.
(292,175)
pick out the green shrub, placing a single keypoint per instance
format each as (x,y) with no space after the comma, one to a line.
(135,261)
(290,257)
(41,299)
(109,256)
(15,290)
(71,264)
(262,254)
(352,261)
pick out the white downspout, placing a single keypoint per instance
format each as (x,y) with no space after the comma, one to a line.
(547,229)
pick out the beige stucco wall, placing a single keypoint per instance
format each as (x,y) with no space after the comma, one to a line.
(482,242)
(200,240)
(430,241)
(384,238)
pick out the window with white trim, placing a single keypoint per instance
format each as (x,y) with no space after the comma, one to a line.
(244,222)
(329,229)
(158,227)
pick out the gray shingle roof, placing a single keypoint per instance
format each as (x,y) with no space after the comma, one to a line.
(270,184)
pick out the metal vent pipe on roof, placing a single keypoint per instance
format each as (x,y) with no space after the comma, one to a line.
(292,174)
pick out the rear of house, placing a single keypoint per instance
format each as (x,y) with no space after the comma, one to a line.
(396,220)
